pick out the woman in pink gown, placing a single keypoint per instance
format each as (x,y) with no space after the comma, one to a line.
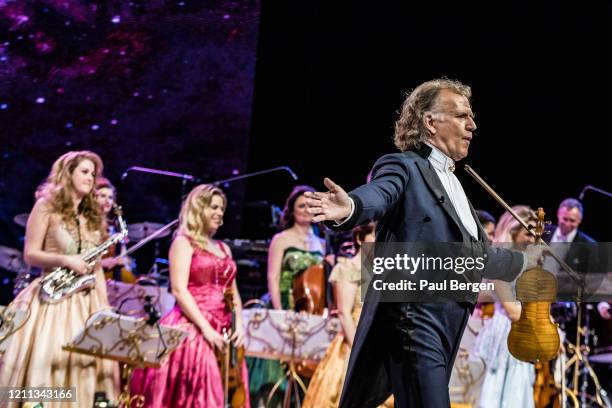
(201,270)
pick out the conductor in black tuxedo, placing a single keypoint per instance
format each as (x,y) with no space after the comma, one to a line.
(408,349)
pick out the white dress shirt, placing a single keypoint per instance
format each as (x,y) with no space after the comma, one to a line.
(444,167)
(559,237)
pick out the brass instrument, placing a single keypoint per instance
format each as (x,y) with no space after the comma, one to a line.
(62,283)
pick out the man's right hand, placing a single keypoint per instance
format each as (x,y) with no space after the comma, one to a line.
(333,205)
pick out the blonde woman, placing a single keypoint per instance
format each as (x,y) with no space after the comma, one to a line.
(201,270)
(64,223)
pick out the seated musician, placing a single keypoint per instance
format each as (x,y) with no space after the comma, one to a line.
(116,267)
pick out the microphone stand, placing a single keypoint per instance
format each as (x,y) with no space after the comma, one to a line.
(188,177)
(599,190)
(257,173)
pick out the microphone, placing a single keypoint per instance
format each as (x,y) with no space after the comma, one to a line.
(153,320)
(153,314)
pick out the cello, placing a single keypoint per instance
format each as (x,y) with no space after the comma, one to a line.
(309,287)
(309,290)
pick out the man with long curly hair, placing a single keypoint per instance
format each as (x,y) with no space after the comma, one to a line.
(407,348)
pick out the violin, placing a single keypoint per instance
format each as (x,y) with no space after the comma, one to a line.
(545,389)
(534,337)
(121,273)
(487,310)
(230,361)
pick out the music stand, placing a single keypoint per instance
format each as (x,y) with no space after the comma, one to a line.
(128,340)
(294,338)
(12,317)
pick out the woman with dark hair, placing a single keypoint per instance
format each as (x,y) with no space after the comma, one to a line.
(65,223)
(295,248)
(292,250)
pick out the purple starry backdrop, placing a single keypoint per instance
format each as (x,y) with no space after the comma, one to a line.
(161,84)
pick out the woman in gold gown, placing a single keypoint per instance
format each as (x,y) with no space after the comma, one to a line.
(64,223)
(325,387)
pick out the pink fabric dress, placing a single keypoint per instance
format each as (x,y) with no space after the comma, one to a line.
(191,377)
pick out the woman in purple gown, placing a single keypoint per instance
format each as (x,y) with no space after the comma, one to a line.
(201,270)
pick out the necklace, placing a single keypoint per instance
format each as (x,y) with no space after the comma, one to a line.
(305,240)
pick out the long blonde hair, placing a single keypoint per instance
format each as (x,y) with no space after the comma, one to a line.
(508,227)
(192,221)
(57,188)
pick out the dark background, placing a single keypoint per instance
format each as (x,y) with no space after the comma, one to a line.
(330,79)
(218,88)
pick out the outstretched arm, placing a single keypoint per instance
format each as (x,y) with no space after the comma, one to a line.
(334,205)
(368,202)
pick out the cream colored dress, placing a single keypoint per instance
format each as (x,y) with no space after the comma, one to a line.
(325,388)
(34,357)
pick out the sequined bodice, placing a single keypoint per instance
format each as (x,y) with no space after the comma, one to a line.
(209,269)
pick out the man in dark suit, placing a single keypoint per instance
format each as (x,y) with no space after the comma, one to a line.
(403,347)
(569,217)
(576,248)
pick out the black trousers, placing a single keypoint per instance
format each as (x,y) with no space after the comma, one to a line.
(423,341)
